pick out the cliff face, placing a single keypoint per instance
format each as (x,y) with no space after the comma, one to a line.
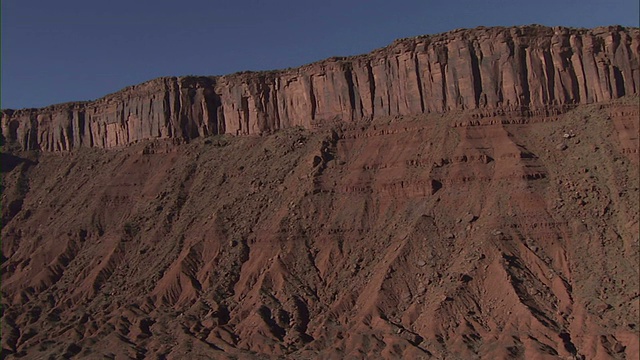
(498,220)
(523,70)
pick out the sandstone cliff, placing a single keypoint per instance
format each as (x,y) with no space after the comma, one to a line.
(446,197)
(523,70)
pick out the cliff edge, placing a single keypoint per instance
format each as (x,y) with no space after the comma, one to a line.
(528,70)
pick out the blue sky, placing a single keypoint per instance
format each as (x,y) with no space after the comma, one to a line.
(68,50)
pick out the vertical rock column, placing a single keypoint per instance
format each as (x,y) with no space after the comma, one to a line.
(528,70)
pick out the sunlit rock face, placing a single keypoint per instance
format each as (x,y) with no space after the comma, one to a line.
(530,70)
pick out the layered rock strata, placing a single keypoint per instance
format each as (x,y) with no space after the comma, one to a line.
(531,70)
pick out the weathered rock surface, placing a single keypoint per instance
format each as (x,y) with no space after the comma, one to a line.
(451,197)
(524,70)
(435,236)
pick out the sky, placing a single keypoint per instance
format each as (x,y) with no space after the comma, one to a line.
(73,50)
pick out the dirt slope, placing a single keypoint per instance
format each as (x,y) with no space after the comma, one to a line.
(429,236)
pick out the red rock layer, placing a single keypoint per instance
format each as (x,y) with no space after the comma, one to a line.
(527,70)
(431,236)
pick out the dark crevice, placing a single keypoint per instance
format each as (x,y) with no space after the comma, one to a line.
(212,101)
(69,131)
(266,315)
(443,72)
(244,121)
(352,98)
(475,73)
(276,112)
(550,72)
(81,128)
(303,319)
(372,88)
(524,76)
(568,345)
(419,83)
(167,112)
(618,82)
(312,98)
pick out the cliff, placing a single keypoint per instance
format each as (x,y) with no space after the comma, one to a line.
(523,70)
(498,220)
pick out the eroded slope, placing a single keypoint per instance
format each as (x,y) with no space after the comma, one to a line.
(446,236)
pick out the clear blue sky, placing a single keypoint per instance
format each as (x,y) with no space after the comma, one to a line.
(68,50)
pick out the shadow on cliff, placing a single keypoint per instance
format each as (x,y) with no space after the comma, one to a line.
(9,162)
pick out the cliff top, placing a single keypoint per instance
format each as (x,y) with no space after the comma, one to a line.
(397,46)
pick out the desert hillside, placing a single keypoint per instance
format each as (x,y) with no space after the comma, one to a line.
(473,194)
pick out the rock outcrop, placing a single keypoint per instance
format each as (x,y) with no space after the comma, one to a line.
(446,197)
(523,70)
